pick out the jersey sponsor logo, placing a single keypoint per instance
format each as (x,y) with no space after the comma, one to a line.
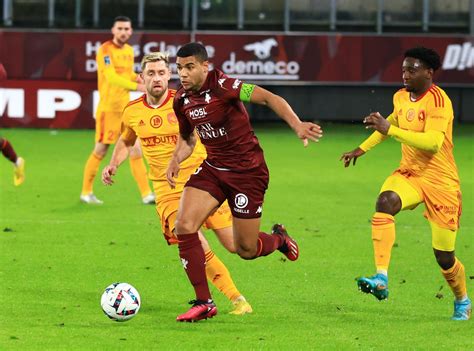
(197,113)
(264,67)
(447,209)
(206,131)
(156,121)
(459,56)
(421,116)
(157,140)
(172,119)
(107,60)
(410,115)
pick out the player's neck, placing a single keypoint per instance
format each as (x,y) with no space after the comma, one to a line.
(117,43)
(155,101)
(414,95)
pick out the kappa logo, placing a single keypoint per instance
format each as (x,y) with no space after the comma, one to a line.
(236,84)
(186,101)
(221,81)
(184,262)
(156,121)
(241,200)
(259,210)
(141,123)
(262,49)
(207,98)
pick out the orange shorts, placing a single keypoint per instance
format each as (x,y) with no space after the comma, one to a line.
(167,211)
(107,126)
(442,206)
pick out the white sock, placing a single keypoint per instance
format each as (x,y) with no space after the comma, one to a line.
(382,271)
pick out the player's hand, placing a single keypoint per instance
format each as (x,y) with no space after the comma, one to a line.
(376,121)
(107,174)
(172,172)
(308,130)
(351,155)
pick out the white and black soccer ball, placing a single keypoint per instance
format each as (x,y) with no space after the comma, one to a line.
(120,301)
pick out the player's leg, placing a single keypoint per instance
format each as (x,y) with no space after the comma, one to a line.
(139,172)
(90,171)
(444,222)
(397,194)
(18,162)
(195,206)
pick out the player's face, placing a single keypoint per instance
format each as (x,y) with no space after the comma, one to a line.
(122,31)
(156,76)
(192,73)
(415,75)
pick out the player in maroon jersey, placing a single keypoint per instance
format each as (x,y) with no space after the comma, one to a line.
(212,104)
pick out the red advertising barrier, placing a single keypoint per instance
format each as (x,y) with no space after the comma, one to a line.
(52,75)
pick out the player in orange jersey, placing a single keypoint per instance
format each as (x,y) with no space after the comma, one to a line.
(422,120)
(152,121)
(18,162)
(115,78)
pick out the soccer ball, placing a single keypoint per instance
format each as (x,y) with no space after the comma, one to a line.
(120,301)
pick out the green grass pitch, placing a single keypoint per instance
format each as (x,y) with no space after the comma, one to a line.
(58,255)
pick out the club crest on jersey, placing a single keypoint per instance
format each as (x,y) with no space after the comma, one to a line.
(410,115)
(156,121)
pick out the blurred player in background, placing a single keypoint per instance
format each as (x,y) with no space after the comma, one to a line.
(18,162)
(422,120)
(234,170)
(151,120)
(115,77)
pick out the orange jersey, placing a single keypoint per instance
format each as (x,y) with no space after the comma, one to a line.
(115,76)
(158,130)
(431,111)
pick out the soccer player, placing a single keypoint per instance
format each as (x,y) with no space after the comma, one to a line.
(151,120)
(212,104)
(422,121)
(18,162)
(115,77)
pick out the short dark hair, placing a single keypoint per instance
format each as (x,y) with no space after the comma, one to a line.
(428,57)
(122,19)
(193,49)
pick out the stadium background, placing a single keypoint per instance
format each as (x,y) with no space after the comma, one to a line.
(335,60)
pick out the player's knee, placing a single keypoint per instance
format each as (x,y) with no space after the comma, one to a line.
(388,202)
(445,259)
(185,226)
(246,252)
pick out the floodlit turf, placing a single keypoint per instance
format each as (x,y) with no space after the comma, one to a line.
(57,255)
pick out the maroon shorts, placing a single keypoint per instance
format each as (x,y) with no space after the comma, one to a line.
(243,190)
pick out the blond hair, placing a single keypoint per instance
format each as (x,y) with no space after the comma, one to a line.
(155,57)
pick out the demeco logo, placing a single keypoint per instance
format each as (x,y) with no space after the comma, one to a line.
(156,121)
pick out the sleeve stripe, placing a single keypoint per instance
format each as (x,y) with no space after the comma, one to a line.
(436,96)
(440,95)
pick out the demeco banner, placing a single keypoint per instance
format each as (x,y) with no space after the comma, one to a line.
(308,58)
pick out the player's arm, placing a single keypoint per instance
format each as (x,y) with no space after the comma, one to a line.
(104,62)
(258,95)
(373,140)
(430,140)
(184,149)
(121,151)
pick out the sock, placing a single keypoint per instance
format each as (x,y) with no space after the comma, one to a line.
(218,274)
(90,171)
(137,166)
(456,278)
(194,263)
(7,151)
(383,237)
(267,243)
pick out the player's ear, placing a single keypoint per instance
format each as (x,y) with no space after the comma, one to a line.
(205,66)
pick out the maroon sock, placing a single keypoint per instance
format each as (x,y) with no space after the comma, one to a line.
(267,243)
(193,260)
(7,150)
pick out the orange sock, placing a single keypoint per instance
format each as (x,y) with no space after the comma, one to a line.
(219,276)
(138,169)
(456,278)
(383,237)
(90,171)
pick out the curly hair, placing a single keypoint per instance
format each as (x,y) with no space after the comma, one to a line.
(428,57)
